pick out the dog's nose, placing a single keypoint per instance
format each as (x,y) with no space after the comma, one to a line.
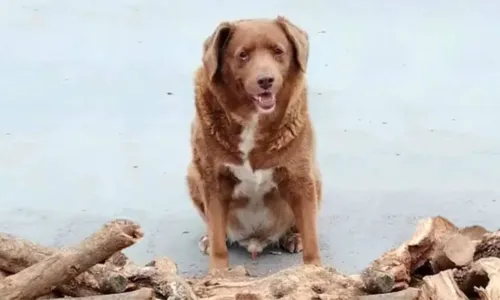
(265,82)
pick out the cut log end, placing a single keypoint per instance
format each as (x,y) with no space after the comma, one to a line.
(126,228)
(456,251)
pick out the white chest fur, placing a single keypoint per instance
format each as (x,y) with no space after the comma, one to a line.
(254,185)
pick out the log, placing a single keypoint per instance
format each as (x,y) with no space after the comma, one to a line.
(436,246)
(469,277)
(48,296)
(393,270)
(441,286)
(474,232)
(141,294)
(407,294)
(481,278)
(475,275)
(491,266)
(489,246)
(117,275)
(44,276)
(456,251)
(161,275)
(300,282)
(17,254)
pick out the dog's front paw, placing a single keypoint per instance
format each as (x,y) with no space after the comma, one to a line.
(204,245)
(291,242)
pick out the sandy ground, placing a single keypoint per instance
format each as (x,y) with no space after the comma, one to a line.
(96,99)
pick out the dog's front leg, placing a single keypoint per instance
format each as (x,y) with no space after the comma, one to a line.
(301,194)
(216,210)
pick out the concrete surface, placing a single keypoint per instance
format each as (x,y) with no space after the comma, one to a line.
(96,99)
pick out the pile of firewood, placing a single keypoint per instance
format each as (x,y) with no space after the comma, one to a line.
(440,262)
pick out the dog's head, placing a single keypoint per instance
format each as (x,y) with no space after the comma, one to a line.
(255,58)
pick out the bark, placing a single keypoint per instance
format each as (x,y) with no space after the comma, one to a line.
(441,286)
(141,294)
(42,277)
(474,232)
(17,254)
(491,266)
(160,275)
(407,294)
(301,282)
(96,269)
(117,275)
(489,246)
(393,270)
(481,278)
(48,296)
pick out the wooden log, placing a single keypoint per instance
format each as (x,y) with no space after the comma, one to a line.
(17,254)
(456,251)
(489,246)
(474,275)
(161,275)
(441,286)
(491,266)
(49,296)
(480,279)
(474,232)
(469,277)
(300,282)
(392,271)
(407,294)
(44,276)
(117,275)
(141,294)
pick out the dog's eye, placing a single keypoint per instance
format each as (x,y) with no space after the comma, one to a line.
(278,51)
(243,55)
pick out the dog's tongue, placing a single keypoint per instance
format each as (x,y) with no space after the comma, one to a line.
(266,100)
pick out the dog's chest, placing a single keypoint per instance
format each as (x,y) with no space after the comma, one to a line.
(253,185)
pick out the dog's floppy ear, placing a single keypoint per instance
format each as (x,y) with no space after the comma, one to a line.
(213,48)
(299,39)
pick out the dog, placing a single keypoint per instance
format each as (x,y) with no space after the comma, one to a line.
(253,175)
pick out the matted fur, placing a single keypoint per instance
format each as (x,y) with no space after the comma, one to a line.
(253,176)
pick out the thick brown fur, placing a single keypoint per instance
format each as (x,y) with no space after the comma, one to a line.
(283,141)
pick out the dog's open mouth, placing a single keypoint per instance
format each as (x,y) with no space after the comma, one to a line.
(266,102)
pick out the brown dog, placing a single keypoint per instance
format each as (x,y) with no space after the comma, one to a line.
(253,176)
